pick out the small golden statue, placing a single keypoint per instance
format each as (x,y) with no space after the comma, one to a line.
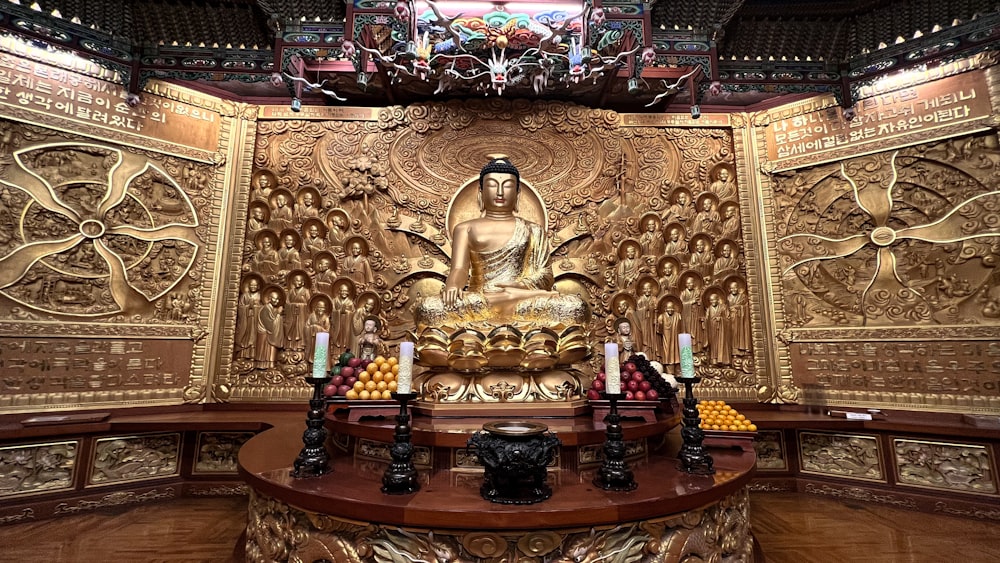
(497,308)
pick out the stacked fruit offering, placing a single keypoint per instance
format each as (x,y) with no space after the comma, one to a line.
(640,382)
(355,380)
(717,415)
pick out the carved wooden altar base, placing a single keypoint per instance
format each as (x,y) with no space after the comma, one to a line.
(549,393)
(342,516)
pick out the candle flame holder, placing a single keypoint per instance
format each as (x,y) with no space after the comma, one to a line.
(314,459)
(614,473)
(400,477)
(693,456)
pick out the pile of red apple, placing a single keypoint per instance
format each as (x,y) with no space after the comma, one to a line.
(636,385)
(343,375)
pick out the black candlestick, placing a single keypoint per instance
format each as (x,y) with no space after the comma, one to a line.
(614,474)
(400,477)
(694,458)
(314,460)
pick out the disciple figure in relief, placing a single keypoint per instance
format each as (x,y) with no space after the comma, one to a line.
(270,331)
(645,316)
(305,207)
(739,312)
(652,237)
(318,321)
(281,213)
(258,218)
(669,274)
(676,244)
(367,306)
(336,220)
(682,208)
(326,272)
(707,219)
(727,259)
(262,187)
(265,258)
(702,260)
(730,221)
(625,338)
(668,325)
(313,243)
(340,320)
(624,308)
(717,330)
(724,187)
(628,263)
(355,265)
(288,256)
(693,313)
(246,318)
(297,311)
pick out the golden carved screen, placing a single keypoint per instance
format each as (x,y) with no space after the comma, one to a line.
(347,213)
(886,262)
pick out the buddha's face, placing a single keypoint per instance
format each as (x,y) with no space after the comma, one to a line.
(630,251)
(730,211)
(622,307)
(689,284)
(356,249)
(281,201)
(669,309)
(298,282)
(713,299)
(344,292)
(258,213)
(323,264)
(321,307)
(307,199)
(263,182)
(625,329)
(727,250)
(369,326)
(274,299)
(289,241)
(369,305)
(253,286)
(651,225)
(668,268)
(267,243)
(682,198)
(313,231)
(723,174)
(675,235)
(647,289)
(734,288)
(700,245)
(338,221)
(499,192)
(706,205)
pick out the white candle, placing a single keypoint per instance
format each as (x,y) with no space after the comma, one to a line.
(319,357)
(611,369)
(405,377)
(687,358)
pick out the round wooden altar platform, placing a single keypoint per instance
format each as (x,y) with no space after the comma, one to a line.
(343,517)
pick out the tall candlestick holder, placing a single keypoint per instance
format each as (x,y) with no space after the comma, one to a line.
(614,474)
(694,458)
(400,477)
(314,460)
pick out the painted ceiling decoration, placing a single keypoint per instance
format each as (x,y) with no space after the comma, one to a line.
(627,55)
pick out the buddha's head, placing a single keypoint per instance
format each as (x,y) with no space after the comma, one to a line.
(253,285)
(713,299)
(624,327)
(321,307)
(323,264)
(734,288)
(499,185)
(281,200)
(314,231)
(289,241)
(263,182)
(723,174)
(669,308)
(307,199)
(371,324)
(356,248)
(727,250)
(258,213)
(345,291)
(274,298)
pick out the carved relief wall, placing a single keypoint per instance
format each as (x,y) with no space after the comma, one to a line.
(886,262)
(351,217)
(107,239)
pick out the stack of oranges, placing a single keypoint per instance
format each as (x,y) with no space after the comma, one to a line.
(376,380)
(717,415)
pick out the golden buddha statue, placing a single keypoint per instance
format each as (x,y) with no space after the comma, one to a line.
(499,291)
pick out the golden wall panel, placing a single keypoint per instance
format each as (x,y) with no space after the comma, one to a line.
(947,466)
(109,221)
(848,456)
(771,452)
(882,254)
(31,469)
(394,186)
(122,459)
(217,452)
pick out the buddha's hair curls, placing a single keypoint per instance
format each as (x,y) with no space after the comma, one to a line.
(499,165)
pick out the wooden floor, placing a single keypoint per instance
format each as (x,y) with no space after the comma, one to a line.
(792,528)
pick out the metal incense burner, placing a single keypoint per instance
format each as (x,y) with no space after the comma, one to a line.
(515,455)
